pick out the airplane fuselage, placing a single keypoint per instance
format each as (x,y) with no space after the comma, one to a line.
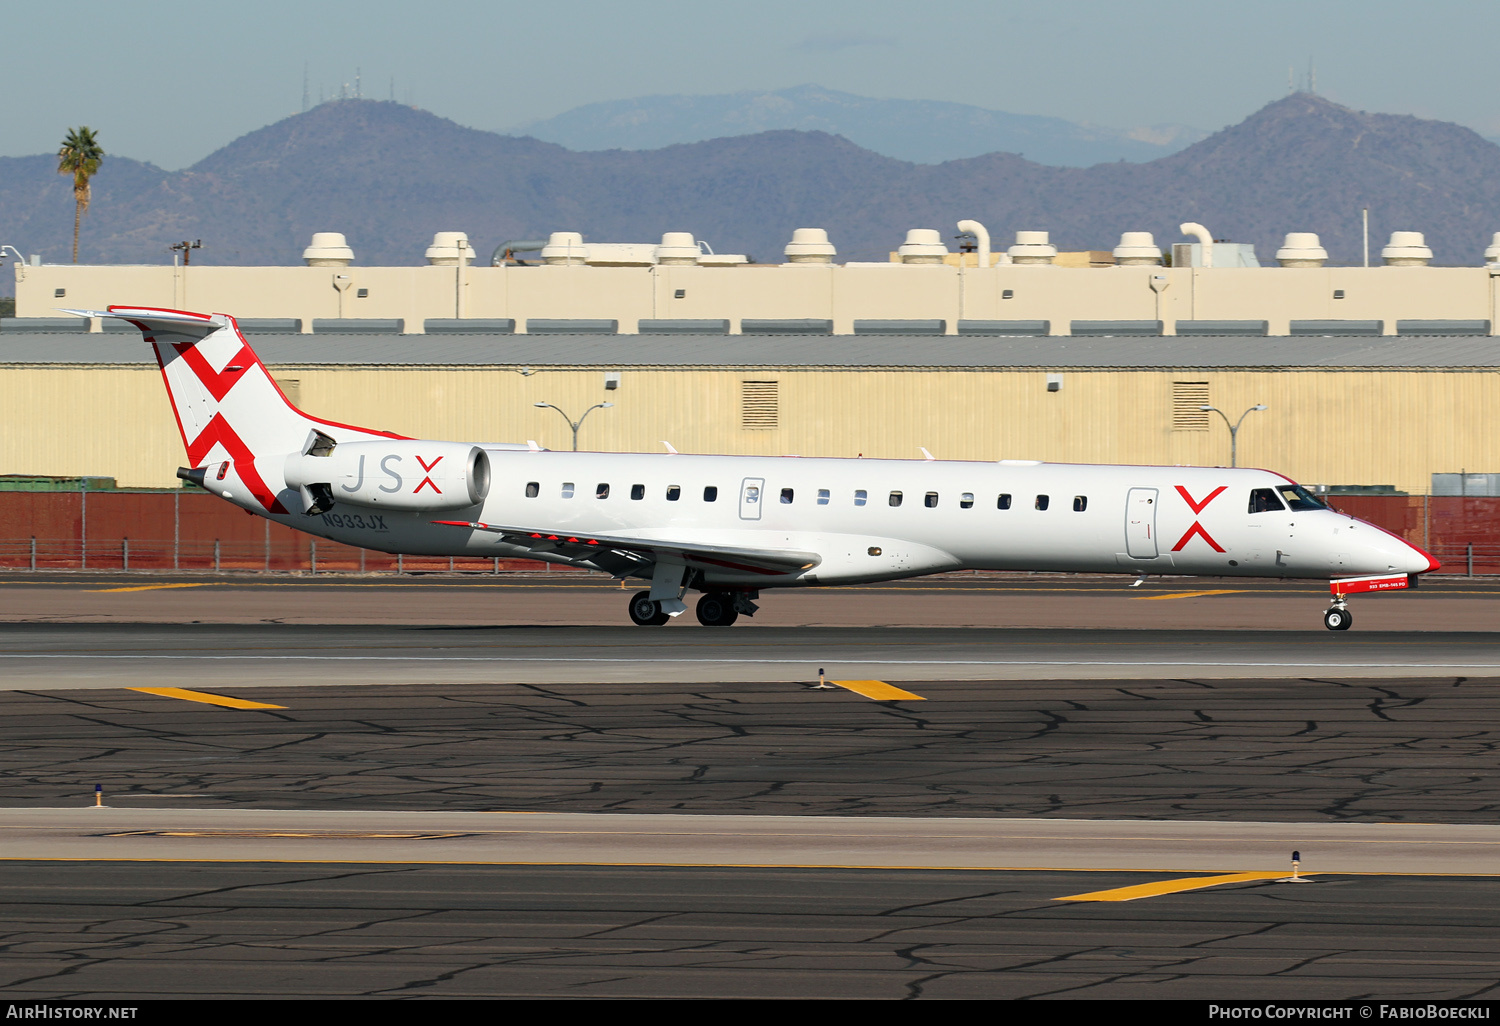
(872,520)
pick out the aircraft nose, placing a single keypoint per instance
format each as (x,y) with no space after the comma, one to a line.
(1418,561)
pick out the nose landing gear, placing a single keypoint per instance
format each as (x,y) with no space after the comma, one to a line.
(1338,617)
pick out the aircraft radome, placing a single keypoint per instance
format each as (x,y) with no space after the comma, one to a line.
(731,527)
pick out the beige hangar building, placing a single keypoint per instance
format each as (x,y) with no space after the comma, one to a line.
(1371,376)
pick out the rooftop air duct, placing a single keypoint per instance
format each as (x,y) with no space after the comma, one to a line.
(1032,248)
(810,246)
(449,249)
(1137,249)
(677,248)
(922,246)
(981,240)
(1406,249)
(1205,240)
(328,249)
(1492,255)
(564,248)
(1301,249)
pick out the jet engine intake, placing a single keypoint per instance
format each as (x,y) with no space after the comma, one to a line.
(406,475)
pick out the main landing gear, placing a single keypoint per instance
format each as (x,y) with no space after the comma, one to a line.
(1338,617)
(715,609)
(645,612)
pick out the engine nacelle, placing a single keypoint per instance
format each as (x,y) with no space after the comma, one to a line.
(400,475)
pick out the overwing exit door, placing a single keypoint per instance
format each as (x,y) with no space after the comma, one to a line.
(752,492)
(1140,523)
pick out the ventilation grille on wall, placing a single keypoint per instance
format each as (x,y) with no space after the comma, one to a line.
(1188,400)
(759,405)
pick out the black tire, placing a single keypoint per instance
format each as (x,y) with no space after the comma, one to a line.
(715,609)
(644,612)
(1337,619)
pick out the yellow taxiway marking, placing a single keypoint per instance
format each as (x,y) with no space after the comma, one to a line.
(879,690)
(152,587)
(206,698)
(1151,890)
(1193,594)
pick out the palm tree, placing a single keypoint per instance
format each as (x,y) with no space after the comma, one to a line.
(79,156)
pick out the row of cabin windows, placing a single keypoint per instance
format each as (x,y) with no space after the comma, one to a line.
(752,494)
(601,491)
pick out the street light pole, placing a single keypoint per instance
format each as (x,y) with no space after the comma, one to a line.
(574,424)
(1234,429)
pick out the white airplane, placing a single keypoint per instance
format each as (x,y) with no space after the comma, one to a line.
(732,526)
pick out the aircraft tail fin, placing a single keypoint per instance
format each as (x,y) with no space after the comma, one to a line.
(228,406)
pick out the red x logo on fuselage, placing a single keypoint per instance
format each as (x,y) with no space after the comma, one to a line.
(427,481)
(1197,528)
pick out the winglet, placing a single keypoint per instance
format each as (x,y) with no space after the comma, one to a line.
(925,454)
(669,447)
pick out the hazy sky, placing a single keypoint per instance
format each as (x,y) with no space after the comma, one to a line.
(170,82)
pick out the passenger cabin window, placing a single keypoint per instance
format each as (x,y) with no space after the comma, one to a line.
(1003,502)
(786,496)
(637,492)
(822,496)
(1080,503)
(601,490)
(710,493)
(567,490)
(930,500)
(1043,501)
(1264,500)
(674,492)
(966,500)
(533,489)
(860,496)
(1299,498)
(895,498)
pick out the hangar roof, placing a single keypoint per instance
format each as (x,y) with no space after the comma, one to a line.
(786,351)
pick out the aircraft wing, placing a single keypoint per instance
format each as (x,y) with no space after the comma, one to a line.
(617,552)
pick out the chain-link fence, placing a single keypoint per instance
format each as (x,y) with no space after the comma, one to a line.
(193,530)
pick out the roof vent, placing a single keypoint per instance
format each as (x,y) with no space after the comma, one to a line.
(1137,249)
(564,248)
(1032,248)
(449,249)
(677,248)
(810,246)
(922,246)
(328,249)
(1492,255)
(1406,249)
(1301,249)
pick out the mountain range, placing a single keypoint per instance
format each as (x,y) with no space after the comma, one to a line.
(389,176)
(921,131)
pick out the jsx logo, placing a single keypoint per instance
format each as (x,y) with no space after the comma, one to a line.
(427,481)
(1197,508)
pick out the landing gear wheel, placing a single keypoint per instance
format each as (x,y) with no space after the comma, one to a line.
(716,609)
(1337,619)
(646,613)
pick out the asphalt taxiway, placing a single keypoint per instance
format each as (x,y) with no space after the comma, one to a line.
(476,788)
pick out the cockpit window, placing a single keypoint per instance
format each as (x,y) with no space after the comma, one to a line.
(1299,498)
(1263,500)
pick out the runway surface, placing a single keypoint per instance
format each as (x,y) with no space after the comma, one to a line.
(132,930)
(239,835)
(43,656)
(590,809)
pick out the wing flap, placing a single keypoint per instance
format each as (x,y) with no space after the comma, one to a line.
(770,562)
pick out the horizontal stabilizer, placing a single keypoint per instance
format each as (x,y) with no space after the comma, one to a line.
(770,562)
